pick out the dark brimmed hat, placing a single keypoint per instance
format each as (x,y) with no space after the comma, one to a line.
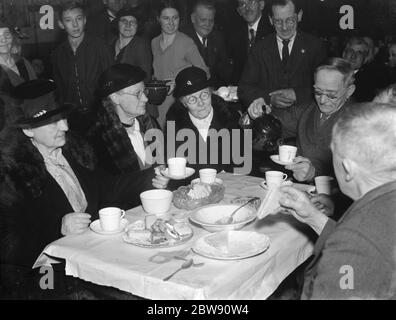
(6,24)
(118,77)
(190,80)
(39,106)
(129,12)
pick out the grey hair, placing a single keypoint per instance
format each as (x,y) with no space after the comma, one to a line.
(208,4)
(342,66)
(366,133)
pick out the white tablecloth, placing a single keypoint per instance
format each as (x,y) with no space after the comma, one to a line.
(107,260)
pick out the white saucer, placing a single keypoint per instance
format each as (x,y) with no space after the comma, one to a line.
(284,183)
(198,180)
(275,158)
(95,227)
(189,173)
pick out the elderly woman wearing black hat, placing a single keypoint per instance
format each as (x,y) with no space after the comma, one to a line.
(50,187)
(198,109)
(118,137)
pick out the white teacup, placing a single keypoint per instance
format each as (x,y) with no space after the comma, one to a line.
(287,153)
(274,178)
(323,184)
(177,167)
(207,175)
(110,218)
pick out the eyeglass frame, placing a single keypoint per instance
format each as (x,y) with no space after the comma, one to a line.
(356,52)
(188,100)
(128,23)
(249,3)
(290,22)
(333,98)
(138,94)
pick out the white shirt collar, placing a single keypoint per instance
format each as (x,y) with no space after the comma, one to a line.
(255,25)
(202,125)
(290,45)
(200,37)
(111,15)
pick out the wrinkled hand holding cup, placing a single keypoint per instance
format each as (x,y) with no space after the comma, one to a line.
(324,184)
(287,153)
(110,218)
(274,179)
(177,167)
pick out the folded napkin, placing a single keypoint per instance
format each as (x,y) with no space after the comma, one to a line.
(270,204)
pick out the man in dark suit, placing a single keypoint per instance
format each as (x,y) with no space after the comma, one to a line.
(254,27)
(279,72)
(100,22)
(210,43)
(370,75)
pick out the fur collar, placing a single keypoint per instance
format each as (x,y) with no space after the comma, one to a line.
(22,170)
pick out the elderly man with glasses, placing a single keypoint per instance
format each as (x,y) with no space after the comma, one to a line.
(355,258)
(280,68)
(202,113)
(333,87)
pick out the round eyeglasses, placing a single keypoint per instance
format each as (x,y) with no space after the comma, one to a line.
(290,22)
(126,22)
(191,100)
(330,96)
(243,5)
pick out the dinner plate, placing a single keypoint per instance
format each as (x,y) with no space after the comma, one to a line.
(232,245)
(189,173)
(95,226)
(275,158)
(198,180)
(144,242)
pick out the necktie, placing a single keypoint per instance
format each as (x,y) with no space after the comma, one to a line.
(205,49)
(285,51)
(252,37)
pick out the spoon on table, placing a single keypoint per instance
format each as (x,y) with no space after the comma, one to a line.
(230,219)
(185,265)
(185,259)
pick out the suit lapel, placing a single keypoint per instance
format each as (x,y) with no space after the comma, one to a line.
(297,54)
(274,53)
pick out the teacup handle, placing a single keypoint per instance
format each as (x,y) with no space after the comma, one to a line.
(284,177)
(122,214)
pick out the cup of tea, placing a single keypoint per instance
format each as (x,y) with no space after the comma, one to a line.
(287,153)
(207,175)
(323,184)
(110,218)
(177,167)
(274,178)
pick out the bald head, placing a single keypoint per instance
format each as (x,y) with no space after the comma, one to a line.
(366,134)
